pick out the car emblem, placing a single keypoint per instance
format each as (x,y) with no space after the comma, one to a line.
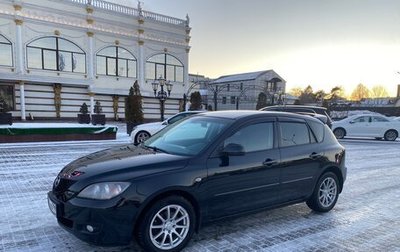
(57,181)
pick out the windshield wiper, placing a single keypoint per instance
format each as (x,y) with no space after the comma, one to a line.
(154,148)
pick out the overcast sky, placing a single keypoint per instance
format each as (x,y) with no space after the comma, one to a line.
(322,43)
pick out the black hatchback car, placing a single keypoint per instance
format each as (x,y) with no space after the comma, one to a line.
(207,167)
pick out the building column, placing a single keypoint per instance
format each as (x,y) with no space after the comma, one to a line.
(141,61)
(91,95)
(186,83)
(19,47)
(91,56)
(57,99)
(22,100)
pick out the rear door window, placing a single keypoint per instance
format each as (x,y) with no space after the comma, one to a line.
(255,137)
(294,133)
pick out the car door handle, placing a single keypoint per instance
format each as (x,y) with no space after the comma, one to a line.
(315,155)
(270,162)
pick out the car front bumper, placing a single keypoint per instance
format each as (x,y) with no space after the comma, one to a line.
(106,223)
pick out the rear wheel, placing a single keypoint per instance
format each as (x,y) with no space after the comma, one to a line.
(325,193)
(339,133)
(168,225)
(390,135)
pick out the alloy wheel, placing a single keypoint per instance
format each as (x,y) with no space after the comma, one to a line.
(142,136)
(339,133)
(390,135)
(327,192)
(169,227)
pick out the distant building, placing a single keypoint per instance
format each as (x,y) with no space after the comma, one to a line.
(55,55)
(240,91)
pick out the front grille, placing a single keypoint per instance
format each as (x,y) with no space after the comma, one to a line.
(62,185)
(60,188)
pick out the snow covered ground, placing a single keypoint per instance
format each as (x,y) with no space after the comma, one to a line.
(366,217)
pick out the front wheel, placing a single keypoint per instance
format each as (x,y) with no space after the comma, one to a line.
(390,135)
(168,225)
(325,194)
(141,137)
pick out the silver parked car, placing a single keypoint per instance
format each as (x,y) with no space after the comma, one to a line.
(367,125)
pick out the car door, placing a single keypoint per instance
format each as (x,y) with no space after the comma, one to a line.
(301,157)
(246,181)
(379,125)
(359,126)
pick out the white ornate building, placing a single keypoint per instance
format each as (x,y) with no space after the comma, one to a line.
(57,54)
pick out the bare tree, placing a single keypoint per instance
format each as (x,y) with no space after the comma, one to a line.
(296,91)
(379,91)
(360,92)
(307,96)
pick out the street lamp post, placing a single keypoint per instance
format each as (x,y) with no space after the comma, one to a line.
(162,94)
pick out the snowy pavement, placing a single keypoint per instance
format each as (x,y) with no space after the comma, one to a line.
(366,217)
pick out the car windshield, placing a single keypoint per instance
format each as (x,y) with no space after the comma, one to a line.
(188,137)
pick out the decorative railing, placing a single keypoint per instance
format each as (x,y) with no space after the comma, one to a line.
(100,4)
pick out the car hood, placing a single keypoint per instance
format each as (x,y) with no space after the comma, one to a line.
(120,164)
(153,125)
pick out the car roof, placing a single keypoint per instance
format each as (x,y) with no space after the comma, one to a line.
(282,107)
(190,112)
(239,114)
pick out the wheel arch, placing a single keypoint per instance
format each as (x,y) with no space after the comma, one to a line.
(175,192)
(397,132)
(335,170)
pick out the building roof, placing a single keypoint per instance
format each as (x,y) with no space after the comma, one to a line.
(241,77)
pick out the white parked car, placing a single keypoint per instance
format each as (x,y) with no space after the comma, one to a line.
(143,131)
(365,125)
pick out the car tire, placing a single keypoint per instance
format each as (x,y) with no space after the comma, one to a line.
(167,226)
(141,136)
(339,133)
(390,135)
(325,194)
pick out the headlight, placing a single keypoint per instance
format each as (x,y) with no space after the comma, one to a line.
(104,191)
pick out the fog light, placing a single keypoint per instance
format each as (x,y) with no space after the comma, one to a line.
(89,228)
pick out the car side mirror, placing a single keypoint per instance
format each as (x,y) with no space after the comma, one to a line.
(165,122)
(233,149)
(351,122)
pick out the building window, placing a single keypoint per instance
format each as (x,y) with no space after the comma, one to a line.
(116,61)
(6,58)
(58,54)
(233,99)
(224,100)
(7,93)
(165,66)
(228,87)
